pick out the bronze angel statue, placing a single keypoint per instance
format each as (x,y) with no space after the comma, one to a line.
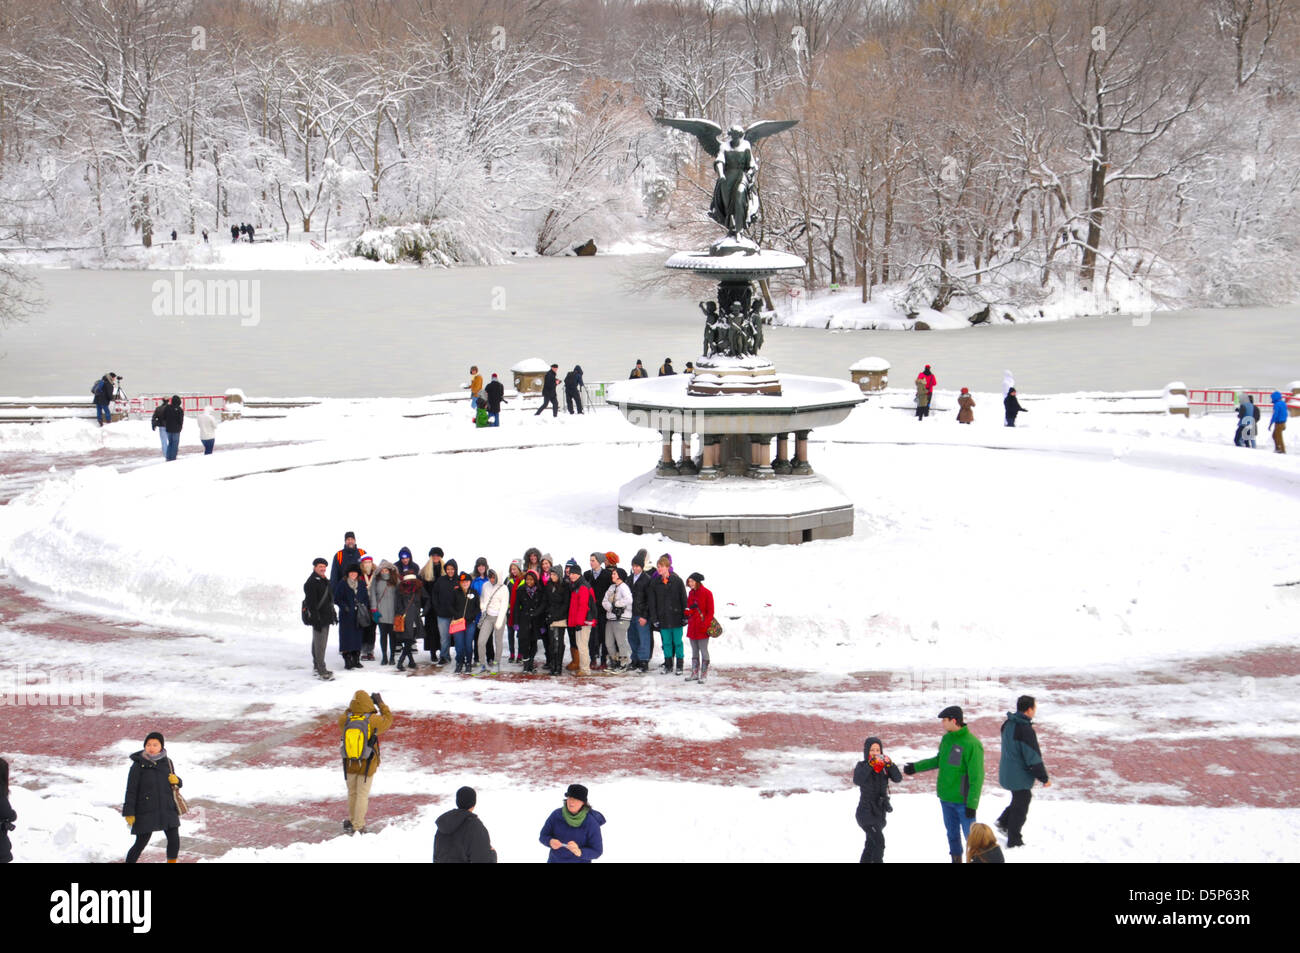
(735,200)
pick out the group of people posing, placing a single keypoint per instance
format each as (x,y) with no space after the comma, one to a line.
(607,614)
(925,382)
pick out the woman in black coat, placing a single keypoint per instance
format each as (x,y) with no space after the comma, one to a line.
(409,602)
(7,815)
(557,610)
(872,776)
(353,600)
(529,615)
(149,805)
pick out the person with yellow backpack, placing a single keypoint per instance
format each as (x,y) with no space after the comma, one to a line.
(366,718)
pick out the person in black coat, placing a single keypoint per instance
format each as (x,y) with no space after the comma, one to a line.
(353,599)
(1012,404)
(461,837)
(316,594)
(409,602)
(442,600)
(549,383)
(173,421)
(149,804)
(668,613)
(573,388)
(640,638)
(872,776)
(530,617)
(496,396)
(599,577)
(7,815)
(557,610)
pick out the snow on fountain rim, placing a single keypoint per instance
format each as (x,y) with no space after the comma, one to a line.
(797,393)
(738,263)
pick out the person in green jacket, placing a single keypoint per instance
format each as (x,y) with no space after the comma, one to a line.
(481,415)
(961,777)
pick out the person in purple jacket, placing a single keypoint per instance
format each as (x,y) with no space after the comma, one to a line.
(572,832)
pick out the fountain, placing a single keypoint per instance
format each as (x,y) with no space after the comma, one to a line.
(735,404)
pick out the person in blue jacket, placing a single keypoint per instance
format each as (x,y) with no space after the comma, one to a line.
(1020,765)
(572,832)
(1278,422)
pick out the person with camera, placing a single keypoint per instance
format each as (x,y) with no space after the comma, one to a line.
(366,718)
(872,776)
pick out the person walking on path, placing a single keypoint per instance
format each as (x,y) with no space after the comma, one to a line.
(364,720)
(319,607)
(967,404)
(1277,423)
(549,384)
(637,372)
(572,832)
(699,616)
(1012,405)
(495,392)
(208,421)
(872,775)
(961,776)
(461,837)
(1020,765)
(353,600)
(150,802)
(668,613)
(982,846)
(173,421)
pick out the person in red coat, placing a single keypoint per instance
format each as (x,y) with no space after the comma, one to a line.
(582,616)
(699,615)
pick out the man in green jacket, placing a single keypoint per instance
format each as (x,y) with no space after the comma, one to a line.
(961,777)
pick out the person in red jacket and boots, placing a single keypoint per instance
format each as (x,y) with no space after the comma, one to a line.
(699,616)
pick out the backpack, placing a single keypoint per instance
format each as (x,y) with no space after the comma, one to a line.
(96,387)
(358,745)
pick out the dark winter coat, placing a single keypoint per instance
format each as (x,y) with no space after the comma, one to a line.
(461,838)
(104,391)
(158,418)
(1012,404)
(320,607)
(7,816)
(530,608)
(149,796)
(667,602)
(990,855)
(557,602)
(1021,762)
(347,600)
(443,597)
(496,395)
(699,612)
(600,583)
(173,417)
(666,369)
(345,557)
(464,604)
(572,383)
(873,798)
(587,837)
(640,595)
(410,604)
(548,384)
(637,373)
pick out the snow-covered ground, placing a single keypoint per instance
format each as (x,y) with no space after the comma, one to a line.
(1079,542)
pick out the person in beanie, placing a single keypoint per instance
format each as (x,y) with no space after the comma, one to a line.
(961,776)
(353,600)
(149,804)
(637,372)
(581,617)
(639,637)
(461,837)
(872,775)
(319,608)
(967,404)
(572,832)
(369,714)
(410,604)
(599,577)
(530,618)
(495,392)
(549,383)
(1020,765)
(666,368)
(699,615)
(668,613)
(1012,405)
(345,557)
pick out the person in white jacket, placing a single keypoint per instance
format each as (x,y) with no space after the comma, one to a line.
(208,421)
(618,613)
(495,600)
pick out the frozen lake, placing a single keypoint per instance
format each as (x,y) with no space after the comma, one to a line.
(408,332)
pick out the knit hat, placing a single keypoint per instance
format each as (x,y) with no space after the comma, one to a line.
(349,535)
(494,377)
(697,576)
(577,792)
(466,797)
(436,551)
(618,573)
(320,561)
(546,557)
(611,559)
(572,566)
(954,712)
(410,577)
(531,572)
(405,552)
(599,557)
(515,562)
(367,558)
(155,734)
(639,559)
(463,577)
(351,567)
(965,390)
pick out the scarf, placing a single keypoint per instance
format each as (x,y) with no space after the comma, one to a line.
(155,757)
(575,820)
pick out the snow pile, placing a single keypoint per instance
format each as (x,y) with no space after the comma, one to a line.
(437,243)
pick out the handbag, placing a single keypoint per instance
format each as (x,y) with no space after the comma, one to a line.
(182,806)
(715,628)
(363,616)
(457,625)
(399,623)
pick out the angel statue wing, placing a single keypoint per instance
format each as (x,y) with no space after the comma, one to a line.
(703,130)
(766,127)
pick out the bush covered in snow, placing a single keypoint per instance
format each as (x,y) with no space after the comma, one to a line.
(435,244)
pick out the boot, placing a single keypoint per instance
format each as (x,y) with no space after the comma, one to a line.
(956,858)
(695,671)
(172,860)
(704,671)
(667,667)
(680,662)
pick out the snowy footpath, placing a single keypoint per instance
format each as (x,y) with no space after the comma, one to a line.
(1137,573)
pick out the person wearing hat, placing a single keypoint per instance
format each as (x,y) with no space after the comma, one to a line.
(318,612)
(668,613)
(464,608)
(495,393)
(640,639)
(581,617)
(924,393)
(549,383)
(383,592)
(530,617)
(666,368)
(699,616)
(406,563)
(150,804)
(353,601)
(961,776)
(617,608)
(572,832)
(410,602)
(967,404)
(345,557)
(461,837)
(374,717)
(1019,766)
(103,393)
(573,388)
(690,367)
(1012,404)
(638,372)
(557,621)
(872,775)
(599,577)
(369,630)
